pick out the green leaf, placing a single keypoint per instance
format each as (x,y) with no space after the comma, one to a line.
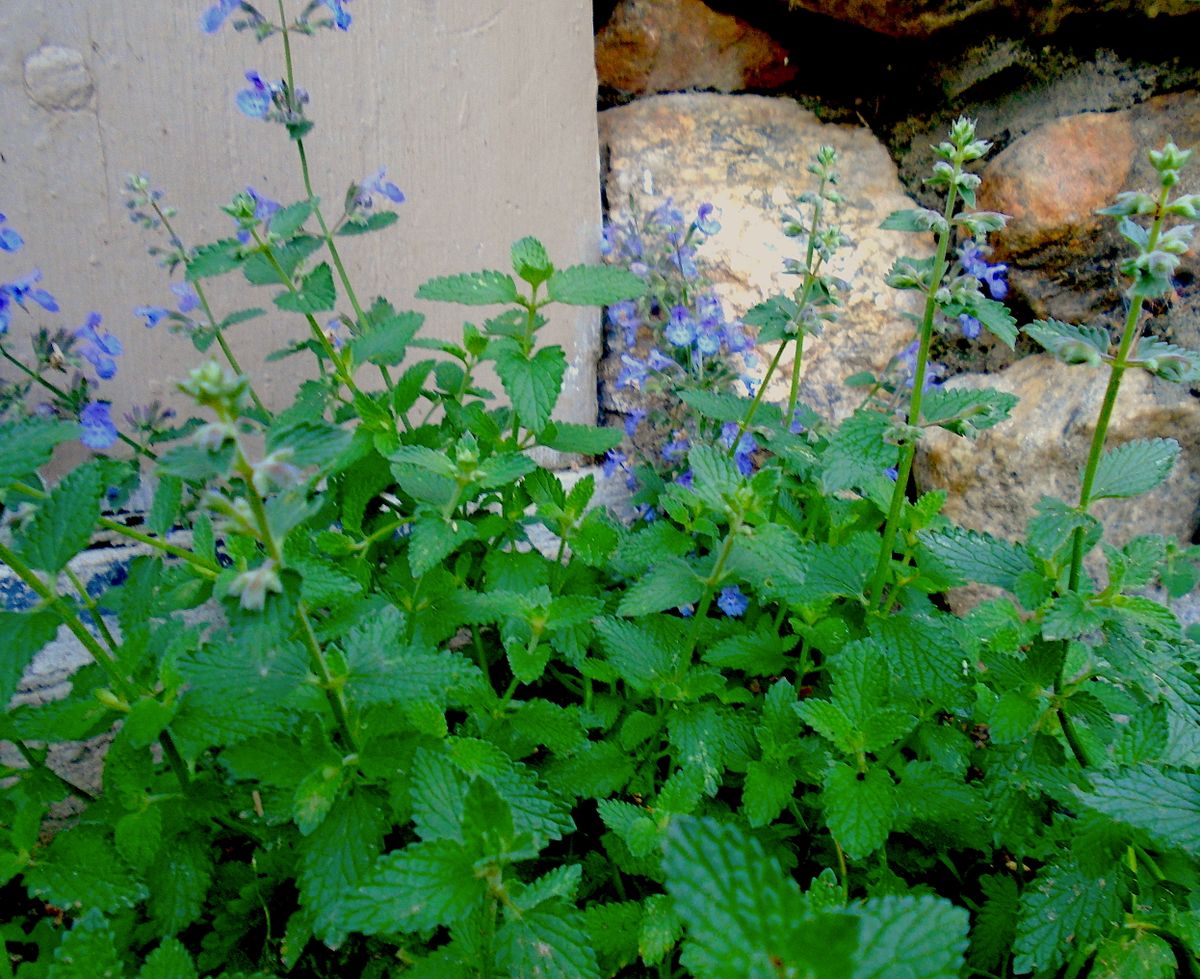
(215,259)
(27,445)
(914,219)
(386,343)
(316,293)
(532,384)
(995,924)
(996,319)
(63,524)
(171,960)
(669,584)
(339,855)
(546,942)
(420,887)
(194,463)
(858,452)
(1176,364)
(139,835)
(963,556)
(375,222)
(594,285)
(288,220)
(926,655)
(743,916)
(382,670)
(240,316)
(261,271)
(965,411)
(25,633)
(315,796)
(1069,343)
(1070,615)
(179,881)
(81,868)
(87,951)
(585,439)
(530,261)
(726,407)
(860,808)
(164,510)
(470,289)
(911,937)
(1134,468)
(1062,910)
(1138,954)
(767,790)
(1162,803)
(433,539)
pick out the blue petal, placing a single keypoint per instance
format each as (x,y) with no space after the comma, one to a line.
(10,241)
(253,103)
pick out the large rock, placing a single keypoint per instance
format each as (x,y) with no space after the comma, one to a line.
(995,482)
(923,18)
(1064,258)
(673,45)
(747,155)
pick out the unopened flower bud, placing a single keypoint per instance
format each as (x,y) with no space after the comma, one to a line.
(276,471)
(252,587)
(215,386)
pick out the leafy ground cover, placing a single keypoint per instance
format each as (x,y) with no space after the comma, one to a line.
(741,736)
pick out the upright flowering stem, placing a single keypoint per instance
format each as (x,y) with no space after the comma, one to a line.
(909,450)
(1129,336)
(359,316)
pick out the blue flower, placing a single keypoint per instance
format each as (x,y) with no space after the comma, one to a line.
(188,300)
(709,337)
(26,289)
(633,420)
(892,473)
(796,427)
(743,455)
(606,240)
(378,183)
(970,325)
(676,449)
(705,222)
(625,315)
(10,241)
(633,372)
(255,101)
(686,479)
(153,315)
(681,330)
(732,602)
(659,361)
(973,263)
(99,432)
(341,19)
(614,459)
(99,347)
(215,16)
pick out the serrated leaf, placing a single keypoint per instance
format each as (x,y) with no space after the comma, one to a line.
(63,524)
(594,285)
(179,880)
(337,856)
(1134,468)
(288,220)
(530,261)
(858,451)
(87,951)
(546,942)
(414,889)
(1163,803)
(171,960)
(1070,616)
(767,790)
(25,633)
(387,342)
(1064,909)
(669,584)
(996,319)
(27,445)
(1176,364)
(926,655)
(1139,954)
(860,808)
(214,259)
(963,556)
(532,383)
(433,539)
(914,219)
(584,439)
(470,289)
(725,407)
(743,916)
(312,442)
(194,463)
(1069,343)
(612,930)
(995,923)
(315,294)
(165,508)
(259,270)
(138,836)
(81,868)
(965,411)
(375,222)
(911,937)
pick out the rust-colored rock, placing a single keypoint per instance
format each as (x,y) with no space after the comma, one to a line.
(674,45)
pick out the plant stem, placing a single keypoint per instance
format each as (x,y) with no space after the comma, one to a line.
(1129,335)
(67,398)
(27,753)
(909,451)
(92,607)
(710,587)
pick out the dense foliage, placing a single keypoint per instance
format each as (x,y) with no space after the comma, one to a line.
(740,737)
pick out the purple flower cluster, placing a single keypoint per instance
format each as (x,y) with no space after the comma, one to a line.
(970,257)
(747,445)
(187,301)
(97,346)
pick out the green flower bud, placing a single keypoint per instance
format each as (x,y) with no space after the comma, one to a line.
(252,587)
(216,387)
